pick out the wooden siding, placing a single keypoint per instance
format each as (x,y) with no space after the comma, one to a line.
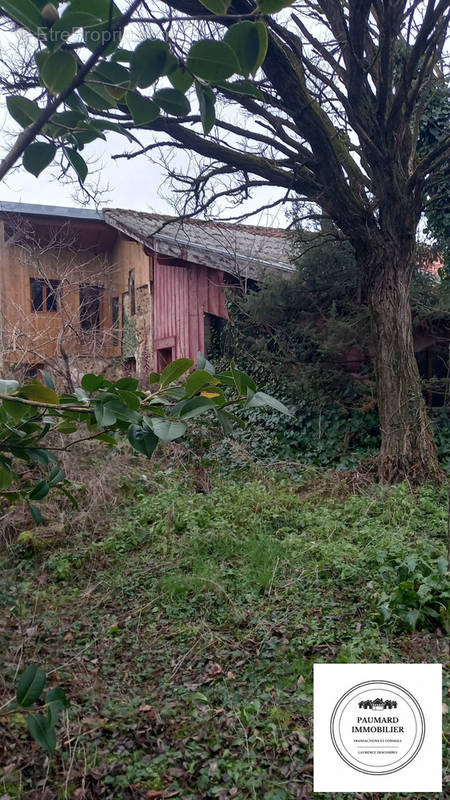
(182,295)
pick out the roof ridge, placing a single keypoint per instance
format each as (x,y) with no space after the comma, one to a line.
(256,229)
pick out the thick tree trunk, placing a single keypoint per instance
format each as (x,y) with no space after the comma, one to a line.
(408,449)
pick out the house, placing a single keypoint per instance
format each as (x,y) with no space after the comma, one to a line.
(84,290)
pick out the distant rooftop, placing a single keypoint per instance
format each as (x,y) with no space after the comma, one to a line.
(49,211)
(248,249)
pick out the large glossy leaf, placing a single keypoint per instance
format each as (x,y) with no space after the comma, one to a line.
(212,61)
(249,41)
(96,97)
(181,79)
(203,363)
(142,439)
(142,109)
(194,407)
(43,731)
(59,70)
(197,381)
(111,73)
(91,382)
(40,491)
(173,102)
(78,163)
(38,156)
(39,393)
(149,61)
(30,686)
(242,87)
(68,23)
(262,399)
(167,430)
(175,370)
(206,102)
(23,110)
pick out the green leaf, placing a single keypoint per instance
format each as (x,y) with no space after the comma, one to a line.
(59,70)
(36,514)
(273,6)
(173,102)
(175,370)
(142,109)
(181,79)
(249,41)
(68,23)
(197,380)
(262,399)
(142,439)
(55,701)
(42,731)
(242,381)
(212,61)
(91,383)
(24,12)
(40,491)
(206,101)
(165,429)
(154,377)
(38,156)
(30,686)
(149,61)
(5,479)
(67,427)
(112,74)
(39,393)
(56,476)
(95,97)
(78,163)
(203,363)
(129,384)
(228,421)
(218,7)
(23,110)
(8,387)
(194,407)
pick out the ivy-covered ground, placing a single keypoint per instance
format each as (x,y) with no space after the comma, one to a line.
(182,614)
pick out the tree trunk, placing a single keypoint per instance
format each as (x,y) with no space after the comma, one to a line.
(408,450)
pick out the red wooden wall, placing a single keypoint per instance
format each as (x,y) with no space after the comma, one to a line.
(181,297)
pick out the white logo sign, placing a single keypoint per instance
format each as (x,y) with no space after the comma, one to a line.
(377,728)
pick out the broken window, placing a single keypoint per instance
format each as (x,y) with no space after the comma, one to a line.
(89,307)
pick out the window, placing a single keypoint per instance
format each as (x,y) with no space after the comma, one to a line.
(44,295)
(115,320)
(132,292)
(89,307)
(52,295)
(214,335)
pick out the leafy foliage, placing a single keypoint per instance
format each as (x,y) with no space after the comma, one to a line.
(415,591)
(107,83)
(29,695)
(105,409)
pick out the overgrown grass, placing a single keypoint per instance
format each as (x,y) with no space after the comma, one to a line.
(184,627)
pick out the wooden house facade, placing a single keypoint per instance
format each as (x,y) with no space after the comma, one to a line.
(117,289)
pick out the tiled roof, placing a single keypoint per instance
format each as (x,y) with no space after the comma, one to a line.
(246,250)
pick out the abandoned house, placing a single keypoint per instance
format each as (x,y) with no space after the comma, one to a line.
(97,289)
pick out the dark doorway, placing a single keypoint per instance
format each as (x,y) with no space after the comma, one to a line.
(214,335)
(163,358)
